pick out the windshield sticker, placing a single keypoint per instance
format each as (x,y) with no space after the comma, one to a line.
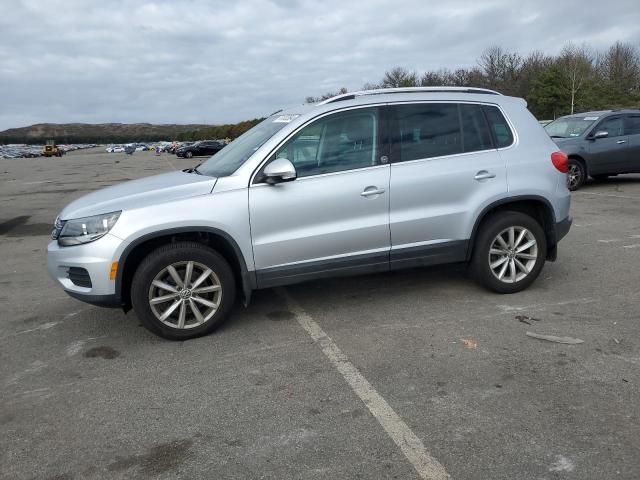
(285,118)
(587,119)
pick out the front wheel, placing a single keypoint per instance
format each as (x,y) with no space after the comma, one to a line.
(188,154)
(183,290)
(509,252)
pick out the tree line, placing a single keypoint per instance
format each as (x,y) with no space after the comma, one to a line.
(231,130)
(578,79)
(120,134)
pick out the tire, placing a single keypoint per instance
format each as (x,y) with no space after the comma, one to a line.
(188,154)
(577,174)
(212,304)
(532,258)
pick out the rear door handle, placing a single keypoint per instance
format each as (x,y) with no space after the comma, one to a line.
(369,191)
(621,141)
(483,175)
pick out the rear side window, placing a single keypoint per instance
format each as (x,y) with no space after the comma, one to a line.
(475,130)
(632,126)
(499,127)
(426,131)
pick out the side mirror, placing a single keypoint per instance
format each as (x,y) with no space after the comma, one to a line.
(280,170)
(600,134)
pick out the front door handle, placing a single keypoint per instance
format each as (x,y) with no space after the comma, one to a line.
(484,175)
(621,141)
(369,191)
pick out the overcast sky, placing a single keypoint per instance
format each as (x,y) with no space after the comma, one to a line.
(206,61)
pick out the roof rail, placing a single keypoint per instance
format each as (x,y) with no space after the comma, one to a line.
(384,91)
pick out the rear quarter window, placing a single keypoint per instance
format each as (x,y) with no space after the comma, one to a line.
(475,129)
(500,130)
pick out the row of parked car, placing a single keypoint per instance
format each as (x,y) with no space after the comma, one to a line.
(33,151)
(599,144)
(138,147)
(182,149)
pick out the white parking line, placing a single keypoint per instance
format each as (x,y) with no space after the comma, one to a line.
(169,162)
(427,467)
(607,195)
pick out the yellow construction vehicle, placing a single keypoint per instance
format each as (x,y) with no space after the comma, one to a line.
(52,150)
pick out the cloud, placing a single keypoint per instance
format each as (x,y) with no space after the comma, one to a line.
(170,61)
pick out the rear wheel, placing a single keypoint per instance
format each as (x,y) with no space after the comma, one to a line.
(576,174)
(509,252)
(183,290)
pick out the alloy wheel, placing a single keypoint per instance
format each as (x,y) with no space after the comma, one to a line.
(513,254)
(574,176)
(185,295)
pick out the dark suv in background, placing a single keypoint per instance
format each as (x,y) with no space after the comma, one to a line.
(599,144)
(203,148)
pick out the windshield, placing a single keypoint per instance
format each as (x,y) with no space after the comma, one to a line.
(231,157)
(569,127)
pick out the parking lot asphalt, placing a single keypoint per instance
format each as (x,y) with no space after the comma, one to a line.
(88,393)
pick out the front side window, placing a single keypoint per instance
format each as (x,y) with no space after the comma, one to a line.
(613,126)
(338,142)
(426,131)
(500,130)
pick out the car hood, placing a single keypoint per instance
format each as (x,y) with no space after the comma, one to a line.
(139,193)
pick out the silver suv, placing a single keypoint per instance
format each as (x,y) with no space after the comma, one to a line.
(363,182)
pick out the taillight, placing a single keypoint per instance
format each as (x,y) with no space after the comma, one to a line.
(560,161)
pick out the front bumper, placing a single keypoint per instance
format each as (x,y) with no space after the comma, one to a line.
(96,259)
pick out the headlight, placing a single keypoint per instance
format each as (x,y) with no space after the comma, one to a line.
(85,230)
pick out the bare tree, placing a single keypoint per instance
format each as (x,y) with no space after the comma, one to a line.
(620,67)
(327,95)
(501,68)
(576,63)
(371,86)
(431,79)
(400,77)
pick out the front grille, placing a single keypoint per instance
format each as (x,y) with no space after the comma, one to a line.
(79,277)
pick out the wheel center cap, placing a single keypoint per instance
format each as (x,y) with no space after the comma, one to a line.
(185,293)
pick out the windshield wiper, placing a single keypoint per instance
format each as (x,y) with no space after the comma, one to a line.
(193,170)
(557,136)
